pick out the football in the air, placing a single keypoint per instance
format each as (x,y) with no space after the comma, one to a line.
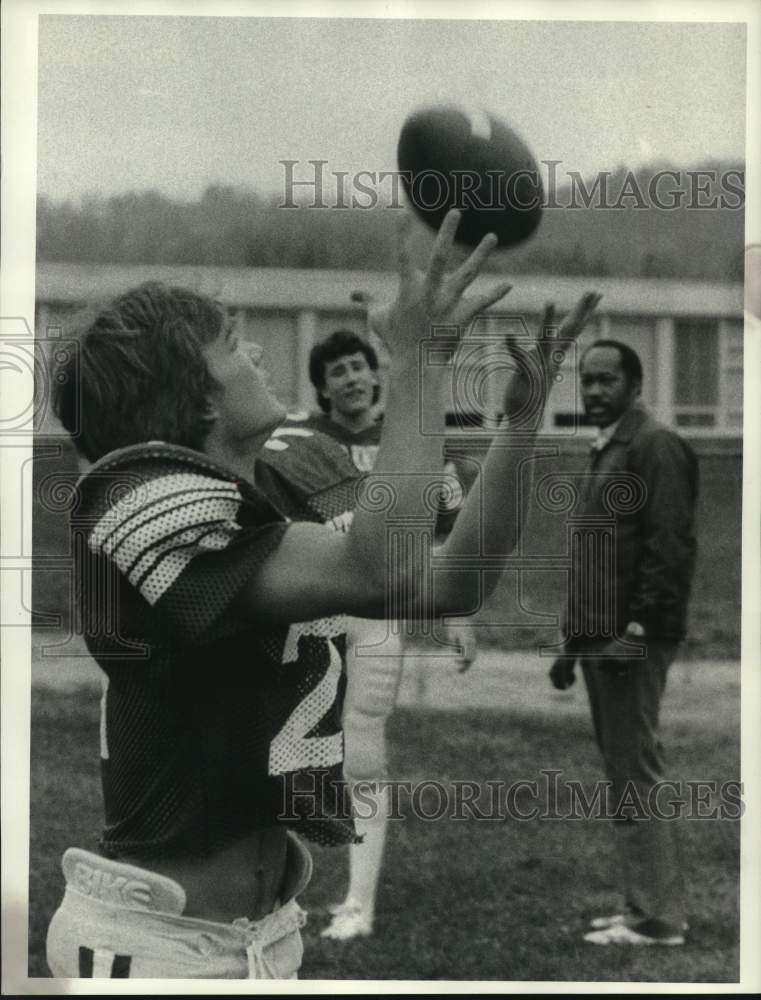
(451,157)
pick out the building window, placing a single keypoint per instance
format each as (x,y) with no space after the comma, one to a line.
(698,418)
(732,367)
(696,372)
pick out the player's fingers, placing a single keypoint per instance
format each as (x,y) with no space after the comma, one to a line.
(547,341)
(468,271)
(442,246)
(476,304)
(579,316)
(548,320)
(586,306)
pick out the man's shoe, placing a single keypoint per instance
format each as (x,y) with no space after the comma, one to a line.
(618,919)
(612,920)
(349,922)
(633,934)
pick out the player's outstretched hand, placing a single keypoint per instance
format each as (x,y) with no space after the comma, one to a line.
(537,365)
(438,296)
(562,673)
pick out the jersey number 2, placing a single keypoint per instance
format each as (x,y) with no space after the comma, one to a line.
(292,749)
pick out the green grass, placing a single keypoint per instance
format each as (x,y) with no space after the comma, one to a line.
(492,900)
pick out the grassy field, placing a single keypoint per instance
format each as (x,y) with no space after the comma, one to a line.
(490,899)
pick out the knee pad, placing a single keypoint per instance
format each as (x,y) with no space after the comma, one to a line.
(373,677)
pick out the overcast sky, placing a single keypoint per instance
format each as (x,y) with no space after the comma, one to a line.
(176,103)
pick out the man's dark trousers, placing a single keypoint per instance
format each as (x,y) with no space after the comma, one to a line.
(625,697)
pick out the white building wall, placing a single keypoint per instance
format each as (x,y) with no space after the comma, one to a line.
(287,311)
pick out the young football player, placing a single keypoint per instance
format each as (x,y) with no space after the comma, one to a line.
(211,616)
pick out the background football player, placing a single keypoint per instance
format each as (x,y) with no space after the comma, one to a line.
(344,372)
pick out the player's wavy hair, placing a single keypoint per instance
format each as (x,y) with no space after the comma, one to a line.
(337,345)
(139,373)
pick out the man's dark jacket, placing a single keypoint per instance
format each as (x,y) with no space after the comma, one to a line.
(640,490)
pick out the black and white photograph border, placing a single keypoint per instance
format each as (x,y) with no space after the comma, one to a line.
(31,169)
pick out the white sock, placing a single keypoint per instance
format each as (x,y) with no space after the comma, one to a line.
(365,859)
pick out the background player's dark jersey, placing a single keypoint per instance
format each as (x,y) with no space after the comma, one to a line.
(362,450)
(211,727)
(307,474)
(362,447)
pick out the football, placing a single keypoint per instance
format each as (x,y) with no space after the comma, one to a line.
(451,157)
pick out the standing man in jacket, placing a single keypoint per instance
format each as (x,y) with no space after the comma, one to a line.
(626,614)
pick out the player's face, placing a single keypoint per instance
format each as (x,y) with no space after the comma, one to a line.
(244,402)
(349,384)
(605,388)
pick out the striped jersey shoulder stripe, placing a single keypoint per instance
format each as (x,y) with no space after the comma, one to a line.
(169,499)
(169,517)
(151,497)
(125,474)
(207,536)
(153,532)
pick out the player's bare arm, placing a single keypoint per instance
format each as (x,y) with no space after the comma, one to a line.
(314,572)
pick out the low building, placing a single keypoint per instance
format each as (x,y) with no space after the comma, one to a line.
(689,335)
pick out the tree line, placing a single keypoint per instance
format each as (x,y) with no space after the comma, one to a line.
(628,236)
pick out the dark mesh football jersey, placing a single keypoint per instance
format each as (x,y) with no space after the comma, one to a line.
(211,726)
(361,447)
(308,474)
(312,465)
